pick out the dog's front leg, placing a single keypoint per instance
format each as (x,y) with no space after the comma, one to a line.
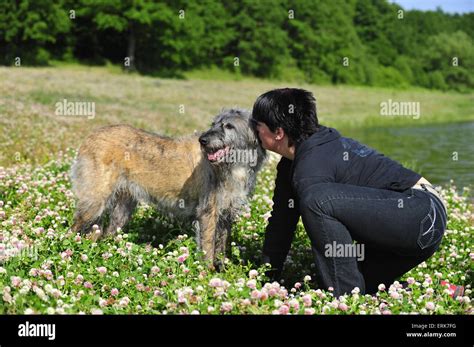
(223,237)
(208,217)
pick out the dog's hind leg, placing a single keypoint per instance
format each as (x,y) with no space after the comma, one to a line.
(121,211)
(92,185)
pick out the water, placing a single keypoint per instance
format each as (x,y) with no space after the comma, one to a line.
(438,152)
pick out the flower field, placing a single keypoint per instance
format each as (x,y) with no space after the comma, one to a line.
(153,266)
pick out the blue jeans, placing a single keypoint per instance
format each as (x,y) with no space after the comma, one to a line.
(394,232)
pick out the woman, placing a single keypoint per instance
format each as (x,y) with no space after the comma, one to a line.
(345,192)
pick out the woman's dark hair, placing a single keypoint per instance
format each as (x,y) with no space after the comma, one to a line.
(292,109)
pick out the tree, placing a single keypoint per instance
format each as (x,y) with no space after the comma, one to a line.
(130,17)
(259,41)
(452,55)
(27,27)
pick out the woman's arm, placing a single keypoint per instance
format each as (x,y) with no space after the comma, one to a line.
(282,223)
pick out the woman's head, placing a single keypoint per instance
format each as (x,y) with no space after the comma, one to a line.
(291,109)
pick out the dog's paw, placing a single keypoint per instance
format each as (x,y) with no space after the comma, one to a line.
(95,235)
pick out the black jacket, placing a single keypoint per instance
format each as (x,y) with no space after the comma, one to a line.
(326,156)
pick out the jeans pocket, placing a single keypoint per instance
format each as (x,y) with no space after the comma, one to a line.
(431,228)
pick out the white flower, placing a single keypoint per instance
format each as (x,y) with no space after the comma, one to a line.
(252,284)
(226,306)
(215,282)
(278,303)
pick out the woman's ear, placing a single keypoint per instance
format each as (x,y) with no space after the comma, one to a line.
(279,133)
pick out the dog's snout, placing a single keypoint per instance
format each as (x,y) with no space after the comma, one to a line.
(203,140)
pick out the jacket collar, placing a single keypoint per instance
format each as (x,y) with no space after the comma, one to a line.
(323,135)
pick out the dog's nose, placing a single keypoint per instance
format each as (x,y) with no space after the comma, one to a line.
(203,141)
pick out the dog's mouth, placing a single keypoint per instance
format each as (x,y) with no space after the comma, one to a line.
(217,155)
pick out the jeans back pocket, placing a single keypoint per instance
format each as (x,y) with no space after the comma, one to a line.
(431,228)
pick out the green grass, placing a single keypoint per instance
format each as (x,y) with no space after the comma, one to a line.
(216,74)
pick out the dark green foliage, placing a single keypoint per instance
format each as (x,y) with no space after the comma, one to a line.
(29,30)
(319,41)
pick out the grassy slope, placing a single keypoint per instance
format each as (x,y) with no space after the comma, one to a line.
(31,131)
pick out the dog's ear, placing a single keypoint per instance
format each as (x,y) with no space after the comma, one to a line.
(252,132)
(244,112)
(219,116)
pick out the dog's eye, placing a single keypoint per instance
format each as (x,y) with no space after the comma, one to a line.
(228,126)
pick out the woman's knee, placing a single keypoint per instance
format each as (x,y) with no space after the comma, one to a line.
(317,196)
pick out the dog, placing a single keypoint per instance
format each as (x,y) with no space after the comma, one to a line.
(203,178)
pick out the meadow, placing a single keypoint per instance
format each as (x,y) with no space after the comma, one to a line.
(32,132)
(153,267)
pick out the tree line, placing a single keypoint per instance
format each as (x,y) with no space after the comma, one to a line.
(368,42)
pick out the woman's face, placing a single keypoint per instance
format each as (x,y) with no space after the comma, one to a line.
(266,136)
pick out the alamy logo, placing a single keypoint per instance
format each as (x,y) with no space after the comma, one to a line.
(340,250)
(240,156)
(400,108)
(37,330)
(75,108)
(10,252)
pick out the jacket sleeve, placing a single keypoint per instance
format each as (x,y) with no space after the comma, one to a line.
(282,223)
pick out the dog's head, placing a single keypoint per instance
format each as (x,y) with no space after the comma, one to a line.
(232,140)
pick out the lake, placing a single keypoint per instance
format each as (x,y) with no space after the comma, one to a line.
(438,152)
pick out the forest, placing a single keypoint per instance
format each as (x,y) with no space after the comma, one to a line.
(357,42)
